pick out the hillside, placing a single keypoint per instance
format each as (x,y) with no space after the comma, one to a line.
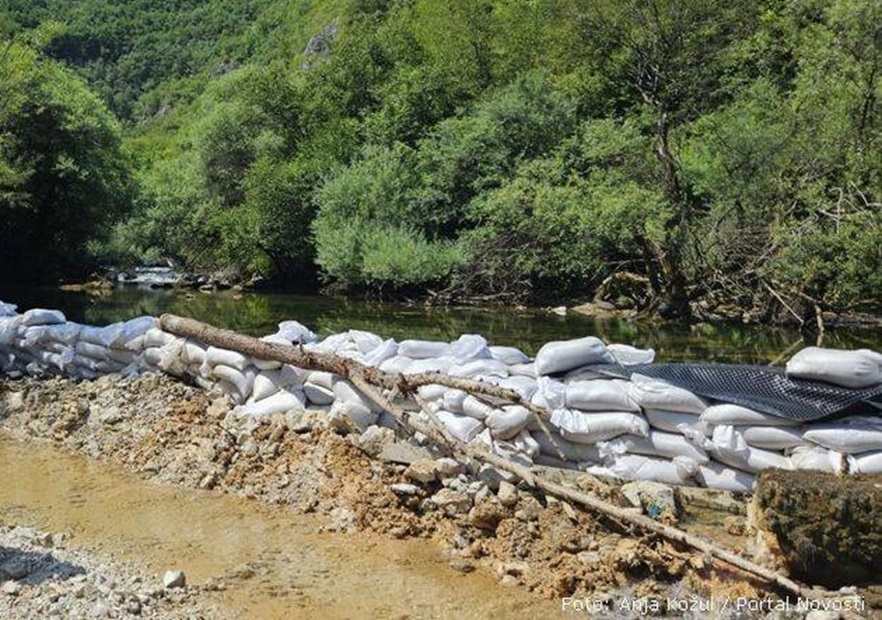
(703,157)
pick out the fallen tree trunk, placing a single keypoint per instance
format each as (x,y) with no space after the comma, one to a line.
(371,381)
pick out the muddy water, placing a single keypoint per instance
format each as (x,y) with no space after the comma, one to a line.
(276,563)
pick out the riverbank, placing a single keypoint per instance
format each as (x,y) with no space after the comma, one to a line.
(169,433)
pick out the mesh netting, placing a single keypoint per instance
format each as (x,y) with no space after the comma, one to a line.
(762,388)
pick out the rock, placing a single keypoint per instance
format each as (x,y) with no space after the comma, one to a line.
(492,477)
(15,568)
(486,515)
(302,421)
(448,467)
(422,471)
(462,565)
(110,416)
(403,488)
(452,502)
(10,588)
(529,509)
(133,607)
(515,569)
(344,520)
(174,579)
(509,581)
(655,499)
(507,494)
(404,453)
(101,609)
(374,440)
(14,401)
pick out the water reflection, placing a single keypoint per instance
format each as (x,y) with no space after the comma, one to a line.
(258,314)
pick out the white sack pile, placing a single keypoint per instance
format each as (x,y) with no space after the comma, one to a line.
(638,429)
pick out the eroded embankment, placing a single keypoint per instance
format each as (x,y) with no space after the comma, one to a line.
(168,432)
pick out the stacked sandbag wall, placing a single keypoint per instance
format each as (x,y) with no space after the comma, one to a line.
(641,428)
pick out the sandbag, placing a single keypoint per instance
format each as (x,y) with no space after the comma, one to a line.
(477,367)
(524,443)
(153,356)
(866,463)
(507,422)
(243,380)
(551,394)
(215,356)
(7,309)
(382,352)
(41,316)
(295,332)
(575,452)
(525,386)
(463,428)
(317,394)
(435,364)
(129,330)
(657,443)
(652,393)
(364,341)
(396,365)
(469,347)
(453,400)
(638,467)
(9,329)
(523,370)
(818,459)
(475,408)
(360,415)
(94,351)
(773,437)
(423,349)
(431,392)
(593,427)
(600,395)
(510,356)
(848,437)
(193,354)
(265,385)
(345,391)
(854,369)
(726,414)
(280,402)
(717,476)
(627,355)
(672,421)
(561,356)
(157,338)
(729,447)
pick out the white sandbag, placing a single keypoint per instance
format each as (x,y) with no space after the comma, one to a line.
(638,467)
(463,428)
(717,476)
(136,344)
(593,427)
(360,416)
(64,333)
(243,380)
(265,364)
(730,448)
(317,394)
(122,356)
(477,367)
(396,365)
(586,373)
(323,379)
(101,336)
(153,356)
(94,351)
(453,400)
(129,330)
(507,422)
(773,437)
(469,347)
(854,369)
(551,394)
(7,309)
(265,385)
(673,421)
(600,395)
(295,332)
(193,354)
(475,408)
(565,355)
(435,364)
(382,352)
(511,356)
(627,355)
(652,393)
(280,402)
(848,437)
(423,349)
(345,391)
(431,392)
(574,452)
(658,443)
(215,356)
(726,414)
(866,463)
(364,341)
(524,443)
(525,386)
(818,459)
(41,316)
(523,370)
(9,329)
(157,338)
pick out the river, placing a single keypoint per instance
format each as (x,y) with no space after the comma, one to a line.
(258,314)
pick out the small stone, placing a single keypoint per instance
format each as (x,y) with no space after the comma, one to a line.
(653,498)
(45,540)
(374,440)
(422,471)
(462,565)
(110,416)
(486,515)
(589,558)
(14,401)
(16,569)
(529,509)
(404,453)
(509,581)
(10,588)
(507,494)
(403,488)
(174,579)
(448,467)
(101,609)
(452,502)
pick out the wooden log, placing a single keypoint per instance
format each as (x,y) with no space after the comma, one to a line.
(371,380)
